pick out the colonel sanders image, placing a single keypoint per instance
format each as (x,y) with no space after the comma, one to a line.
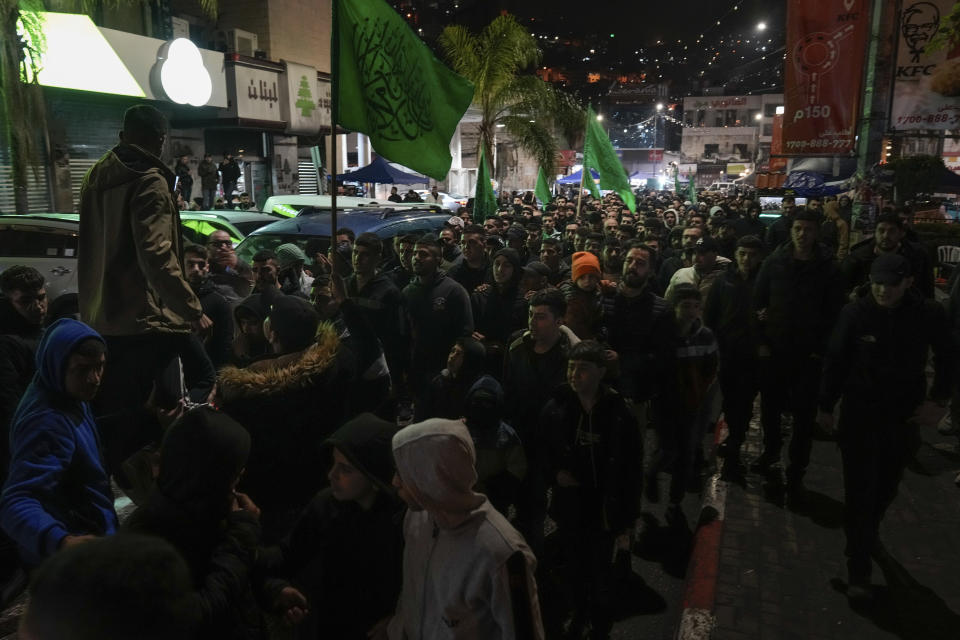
(920,23)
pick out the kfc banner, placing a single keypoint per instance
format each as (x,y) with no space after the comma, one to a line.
(826,44)
(926,89)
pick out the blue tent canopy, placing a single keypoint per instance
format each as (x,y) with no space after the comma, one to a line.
(574,178)
(381,171)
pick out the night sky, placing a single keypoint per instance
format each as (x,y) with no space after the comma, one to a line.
(733,52)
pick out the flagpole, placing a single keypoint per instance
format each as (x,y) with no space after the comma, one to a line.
(334,116)
(583,172)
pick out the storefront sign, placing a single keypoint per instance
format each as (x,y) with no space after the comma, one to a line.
(926,89)
(182,76)
(777,162)
(826,43)
(256,93)
(305,98)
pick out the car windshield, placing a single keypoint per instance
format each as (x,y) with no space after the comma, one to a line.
(252,245)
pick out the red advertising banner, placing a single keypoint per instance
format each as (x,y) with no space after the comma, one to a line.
(826,45)
(776,145)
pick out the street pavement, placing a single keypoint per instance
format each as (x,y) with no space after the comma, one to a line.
(782,572)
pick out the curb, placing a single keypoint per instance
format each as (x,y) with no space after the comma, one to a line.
(697,619)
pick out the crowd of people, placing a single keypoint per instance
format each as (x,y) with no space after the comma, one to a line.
(438,436)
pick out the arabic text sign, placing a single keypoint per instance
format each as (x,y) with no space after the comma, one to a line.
(257,94)
(826,42)
(926,90)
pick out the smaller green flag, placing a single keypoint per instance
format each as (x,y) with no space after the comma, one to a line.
(691,191)
(599,154)
(484,202)
(543,190)
(676,183)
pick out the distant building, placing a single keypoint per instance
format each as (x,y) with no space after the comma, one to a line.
(728,131)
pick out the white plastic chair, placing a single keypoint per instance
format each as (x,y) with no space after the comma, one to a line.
(948,255)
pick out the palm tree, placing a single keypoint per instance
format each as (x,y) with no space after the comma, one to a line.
(21,99)
(497,60)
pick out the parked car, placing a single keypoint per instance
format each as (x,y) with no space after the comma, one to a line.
(453,203)
(311,229)
(48,242)
(288,206)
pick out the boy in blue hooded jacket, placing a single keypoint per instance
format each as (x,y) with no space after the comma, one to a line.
(57,492)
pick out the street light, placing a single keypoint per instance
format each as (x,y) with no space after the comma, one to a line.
(758,116)
(659,106)
(599,117)
(761,26)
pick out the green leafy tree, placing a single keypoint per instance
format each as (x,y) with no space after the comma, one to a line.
(948,35)
(915,176)
(22,113)
(499,60)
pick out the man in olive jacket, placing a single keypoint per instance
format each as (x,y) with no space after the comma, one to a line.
(132,288)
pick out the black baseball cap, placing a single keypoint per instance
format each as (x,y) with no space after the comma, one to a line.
(889,268)
(706,245)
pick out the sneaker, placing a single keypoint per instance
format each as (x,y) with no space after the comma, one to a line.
(764,462)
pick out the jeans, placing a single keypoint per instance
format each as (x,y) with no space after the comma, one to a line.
(228,189)
(789,382)
(209,197)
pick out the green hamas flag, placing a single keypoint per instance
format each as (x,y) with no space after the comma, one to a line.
(390,86)
(599,154)
(691,191)
(484,202)
(543,189)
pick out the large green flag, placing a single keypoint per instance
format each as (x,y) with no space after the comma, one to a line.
(599,154)
(390,86)
(676,183)
(484,202)
(691,191)
(543,189)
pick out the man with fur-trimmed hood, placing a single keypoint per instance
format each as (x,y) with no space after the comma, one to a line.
(289,401)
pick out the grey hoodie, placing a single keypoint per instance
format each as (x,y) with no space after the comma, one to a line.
(460,552)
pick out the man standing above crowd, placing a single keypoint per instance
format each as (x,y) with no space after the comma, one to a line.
(229,174)
(797,297)
(209,178)
(131,280)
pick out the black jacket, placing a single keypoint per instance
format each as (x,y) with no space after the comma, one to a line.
(438,314)
(750,227)
(529,380)
(640,329)
(856,266)
(347,562)
(730,314)
(878,357)
(801,298)
(201,456)
(778,233)
(381,304)
(229,172)
(209,176)
(18,344)
(219,342)
(469,277)
(289,403)
(601,450)
(444,396)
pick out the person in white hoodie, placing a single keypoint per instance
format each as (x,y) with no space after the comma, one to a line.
(467,573)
